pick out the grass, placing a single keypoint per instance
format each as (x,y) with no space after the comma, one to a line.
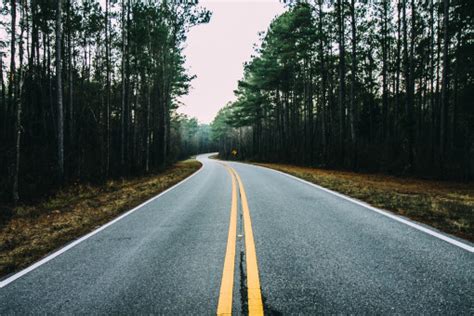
(35,230)
(447,206)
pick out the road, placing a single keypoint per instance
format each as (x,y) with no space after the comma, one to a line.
(240,238)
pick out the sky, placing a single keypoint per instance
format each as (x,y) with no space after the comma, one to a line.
(215,52)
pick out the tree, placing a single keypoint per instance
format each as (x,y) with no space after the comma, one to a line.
(67,102)
(391,119)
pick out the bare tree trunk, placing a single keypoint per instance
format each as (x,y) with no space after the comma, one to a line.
(455,104)
(3,97)
(147,128)
(128,93)
(438,70)
(444,84)
(432,88)
(122,108)
(107,92)
(70,79)
(59,91)
(384,71)
(398,70)
(11,83)
(12,96)
(311,114)
(323,81)
(411,88)
(23,22)
(34,34)
(164,117)
(342,76)
(353,82)
(407,74)
(148,82)
(27,26)
(16,169)
(2,83)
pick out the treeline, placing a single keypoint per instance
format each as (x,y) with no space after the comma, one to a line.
(89,92)
(196,138)
(383,86)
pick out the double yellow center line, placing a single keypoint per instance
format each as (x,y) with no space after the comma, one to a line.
(255,305)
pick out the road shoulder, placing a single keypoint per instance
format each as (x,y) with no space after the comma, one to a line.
(446,206)
(38,229)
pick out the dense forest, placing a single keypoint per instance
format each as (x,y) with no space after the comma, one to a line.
(89,91)
(384,86)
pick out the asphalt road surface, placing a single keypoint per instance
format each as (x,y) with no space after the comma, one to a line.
(246,239)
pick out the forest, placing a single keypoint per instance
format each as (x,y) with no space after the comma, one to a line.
(379,86)
(89,91)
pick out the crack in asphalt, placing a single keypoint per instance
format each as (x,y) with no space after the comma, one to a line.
(243,285)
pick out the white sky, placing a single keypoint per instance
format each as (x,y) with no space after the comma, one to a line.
(216,51)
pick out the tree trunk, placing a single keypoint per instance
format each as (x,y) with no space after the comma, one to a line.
(444,84)
(70,79)
(147,127)
(3,98)
(323,82)
(12,97)
(342,77)
(398,62)
(59,91)
(148,83)
(122,108)
(107,92)
(353,102)
(411,88)
(11,82)
(128,93)
(407,80)
(432,87)
(34,34)
(384,71)
(2,83)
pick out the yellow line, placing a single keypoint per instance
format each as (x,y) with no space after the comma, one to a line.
(224,307)
(254,293)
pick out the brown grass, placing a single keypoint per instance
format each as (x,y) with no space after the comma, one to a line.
(35,230)
(448,206)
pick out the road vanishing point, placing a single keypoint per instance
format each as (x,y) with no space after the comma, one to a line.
(241,239)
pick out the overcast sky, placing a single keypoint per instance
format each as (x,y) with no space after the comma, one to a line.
(216,51)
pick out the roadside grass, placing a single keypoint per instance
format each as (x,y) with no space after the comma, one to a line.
(36,230)
(447,206)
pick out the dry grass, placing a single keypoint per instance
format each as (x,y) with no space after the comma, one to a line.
(35,230)
(448,206)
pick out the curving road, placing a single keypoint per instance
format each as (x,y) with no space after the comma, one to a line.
(315,252)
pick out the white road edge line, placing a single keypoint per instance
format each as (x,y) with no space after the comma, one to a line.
(81,239)
(380,211)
